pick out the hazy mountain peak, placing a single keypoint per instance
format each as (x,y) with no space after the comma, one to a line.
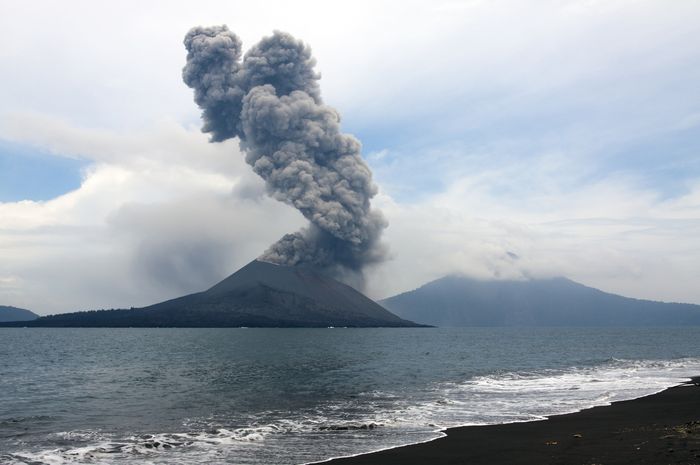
(558,301)
(9,313)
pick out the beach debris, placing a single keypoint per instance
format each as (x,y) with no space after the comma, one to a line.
(552,443)
(683,431)
(578,435)
(349,427)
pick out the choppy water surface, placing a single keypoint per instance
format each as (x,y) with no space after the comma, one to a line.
(292,396)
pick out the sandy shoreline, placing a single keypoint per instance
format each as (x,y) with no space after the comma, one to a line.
(662,428)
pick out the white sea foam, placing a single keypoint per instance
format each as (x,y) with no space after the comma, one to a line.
(376,420)
(521,396)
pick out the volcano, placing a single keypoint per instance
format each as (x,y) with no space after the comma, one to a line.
(260,294)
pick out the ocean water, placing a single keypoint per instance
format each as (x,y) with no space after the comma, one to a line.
(294,396)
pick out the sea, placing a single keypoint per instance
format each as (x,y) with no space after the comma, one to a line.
(297,396)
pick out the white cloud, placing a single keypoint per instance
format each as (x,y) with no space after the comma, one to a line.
(513,104)
(159,214)
(119,64)
(612,234)
(164,212)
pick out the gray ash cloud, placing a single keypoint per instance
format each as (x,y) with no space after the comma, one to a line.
(270,99)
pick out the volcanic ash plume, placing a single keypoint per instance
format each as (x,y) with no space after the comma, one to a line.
(271,101)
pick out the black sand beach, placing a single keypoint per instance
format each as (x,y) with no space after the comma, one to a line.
(663,428)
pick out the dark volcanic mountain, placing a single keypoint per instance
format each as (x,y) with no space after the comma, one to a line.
(460,301)
(258,295)
(16,314)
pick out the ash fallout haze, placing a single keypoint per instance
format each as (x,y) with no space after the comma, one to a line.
(500,140)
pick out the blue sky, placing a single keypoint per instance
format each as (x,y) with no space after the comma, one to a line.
(28,173)
(565,131)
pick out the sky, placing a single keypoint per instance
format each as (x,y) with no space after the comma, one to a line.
(508,140)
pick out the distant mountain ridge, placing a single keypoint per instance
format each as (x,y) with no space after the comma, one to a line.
(461,301)
(258,295)
(8,313)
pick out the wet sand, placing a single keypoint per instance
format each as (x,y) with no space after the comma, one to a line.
(663,428)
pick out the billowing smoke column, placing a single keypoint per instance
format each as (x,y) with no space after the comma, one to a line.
(271,101)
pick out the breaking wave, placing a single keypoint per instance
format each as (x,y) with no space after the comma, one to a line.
(373,421)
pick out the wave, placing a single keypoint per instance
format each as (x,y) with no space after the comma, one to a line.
(534,395)
(373,421)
